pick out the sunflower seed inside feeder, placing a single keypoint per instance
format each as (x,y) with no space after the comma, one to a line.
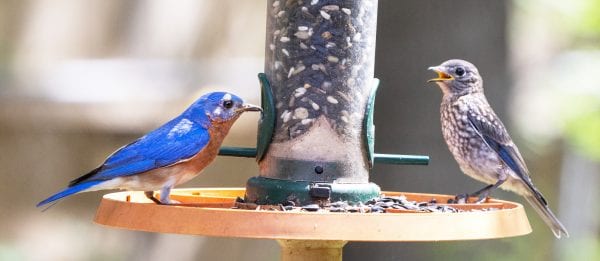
(314,105)
(301,113)
(286,116)
(306,121)
(299,68)
(302,35)
(299,92)
(332,59)
(330,8)
(330,99)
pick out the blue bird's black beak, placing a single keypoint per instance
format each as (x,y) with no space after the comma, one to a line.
(249,107)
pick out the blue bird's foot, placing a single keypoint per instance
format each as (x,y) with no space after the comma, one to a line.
(150,195)
(161,201)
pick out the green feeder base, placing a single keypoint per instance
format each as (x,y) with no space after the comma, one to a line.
(268,191)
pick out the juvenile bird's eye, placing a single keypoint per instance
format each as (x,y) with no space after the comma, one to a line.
(228,104)
(460,71)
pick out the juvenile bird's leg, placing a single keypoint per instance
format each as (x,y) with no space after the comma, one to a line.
(150,195)
(464,197)
(481,194)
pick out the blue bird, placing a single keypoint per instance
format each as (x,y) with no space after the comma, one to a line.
(168,156)
(479,141)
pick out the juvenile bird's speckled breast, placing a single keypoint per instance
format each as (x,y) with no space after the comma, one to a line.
(474,156)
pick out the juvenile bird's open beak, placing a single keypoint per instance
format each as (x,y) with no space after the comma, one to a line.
(442,75)
(249,107)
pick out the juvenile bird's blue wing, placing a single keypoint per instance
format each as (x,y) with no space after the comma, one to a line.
(177,140)
(493,132)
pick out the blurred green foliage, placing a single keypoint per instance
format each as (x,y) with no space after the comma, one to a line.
(581,20)
(587,24)
(582,130)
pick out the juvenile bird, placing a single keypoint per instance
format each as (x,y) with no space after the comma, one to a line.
(479,141)
(170,155)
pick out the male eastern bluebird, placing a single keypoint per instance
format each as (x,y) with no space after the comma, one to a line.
(479,141)
(168,156)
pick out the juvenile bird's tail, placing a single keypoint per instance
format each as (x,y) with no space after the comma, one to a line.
(69,191)
(537,201)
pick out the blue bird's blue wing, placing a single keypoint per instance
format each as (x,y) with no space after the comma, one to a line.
(177,140)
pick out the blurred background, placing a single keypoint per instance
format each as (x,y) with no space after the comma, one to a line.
(78,79)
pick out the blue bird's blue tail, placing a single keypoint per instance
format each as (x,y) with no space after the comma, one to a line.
(69,191)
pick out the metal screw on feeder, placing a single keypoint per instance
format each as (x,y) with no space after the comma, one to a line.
(316,137)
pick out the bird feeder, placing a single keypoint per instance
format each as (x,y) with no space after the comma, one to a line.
(315,148)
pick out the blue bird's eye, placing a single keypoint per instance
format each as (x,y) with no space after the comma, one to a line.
(460,71)
(227,104)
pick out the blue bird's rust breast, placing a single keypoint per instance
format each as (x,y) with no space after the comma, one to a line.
(186,170)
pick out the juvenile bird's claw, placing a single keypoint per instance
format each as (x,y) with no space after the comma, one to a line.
(464,198)
(459,199)
(481,199)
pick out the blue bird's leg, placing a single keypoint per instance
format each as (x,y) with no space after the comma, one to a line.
(150,195)
(164,196)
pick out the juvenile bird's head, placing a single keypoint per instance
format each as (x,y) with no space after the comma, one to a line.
(457,77)
(219,107)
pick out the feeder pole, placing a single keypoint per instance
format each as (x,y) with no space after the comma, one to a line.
(299,250)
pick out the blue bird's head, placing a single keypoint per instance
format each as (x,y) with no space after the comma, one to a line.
(219,107)
(457,77)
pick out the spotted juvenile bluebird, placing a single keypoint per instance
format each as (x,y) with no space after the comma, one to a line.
(170,155)
(479,141)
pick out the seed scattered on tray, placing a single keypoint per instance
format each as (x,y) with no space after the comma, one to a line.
(382,204)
